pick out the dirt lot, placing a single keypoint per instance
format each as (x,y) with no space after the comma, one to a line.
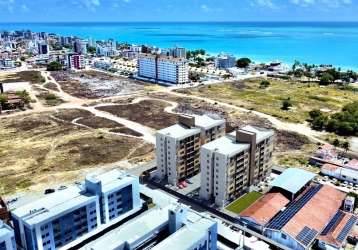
(150,113)
(86,118)
(94,84)
(34,77)
(34,148)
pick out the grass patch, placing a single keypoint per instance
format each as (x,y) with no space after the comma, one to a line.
(304,97)
(243,202)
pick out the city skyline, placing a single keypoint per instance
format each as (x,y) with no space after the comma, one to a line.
(177,11)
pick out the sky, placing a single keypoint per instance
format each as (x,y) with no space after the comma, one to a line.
(176,10)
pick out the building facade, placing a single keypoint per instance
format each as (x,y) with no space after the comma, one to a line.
(76,61)
(67,217)
(225,61)
(43,48)
(7,237)
(233,163)
(178,146)
(163,68)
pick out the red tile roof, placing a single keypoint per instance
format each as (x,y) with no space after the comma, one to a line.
(266,207)
(316,212)
(353,164)
(330,167)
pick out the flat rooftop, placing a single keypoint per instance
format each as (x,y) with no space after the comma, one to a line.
(195,228)
(5,230)
(53,205)
(207,122)
(133,230)
(292,179)
(226,145)
(112,179)
(179,131)
(261,133)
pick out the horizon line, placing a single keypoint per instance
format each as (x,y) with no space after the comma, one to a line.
(237,21)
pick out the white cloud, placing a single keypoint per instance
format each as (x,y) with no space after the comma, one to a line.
(264,4)
(322,3)
(88,4)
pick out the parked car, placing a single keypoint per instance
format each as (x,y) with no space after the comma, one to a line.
(49,191)
(62,188)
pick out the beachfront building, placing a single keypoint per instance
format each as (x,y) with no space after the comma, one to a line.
(233,163)
(7,237)
(225,61)
(65,218)
(177,52)
(172,227)
(43,48)
(163,68)
(80,47)
(178,146)
(76,61)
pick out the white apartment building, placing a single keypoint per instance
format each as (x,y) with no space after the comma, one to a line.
(231,164)
(163,68)
(178,146)
(7,237)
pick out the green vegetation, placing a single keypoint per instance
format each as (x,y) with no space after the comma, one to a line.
(243,62)
(243,202)
(3,100)
(264,84)
(195,53)
(286,104)
(24,95)
(54,66)
(326,74)
(91,50)
(343,123)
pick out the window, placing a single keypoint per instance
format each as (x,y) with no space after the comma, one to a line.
(283,236)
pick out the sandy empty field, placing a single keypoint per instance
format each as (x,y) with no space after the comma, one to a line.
(150,113)
(94,84)
(304,97)
(35,147)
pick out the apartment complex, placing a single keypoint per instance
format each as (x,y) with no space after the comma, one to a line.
(172,227)
(231,164)
(178,146)
(225,61)
(163,68)
(65,218)
(7,238)
(76,61)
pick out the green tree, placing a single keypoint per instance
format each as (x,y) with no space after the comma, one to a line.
(315,113)
(24,95)
(286,104)
(3,100)
(91,50)
(326,79)
(319,123)
(345,145)
(336,143)
(243,62)
(23,58)
(54,66)
(264,84)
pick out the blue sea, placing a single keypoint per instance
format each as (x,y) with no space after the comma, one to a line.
(310,42)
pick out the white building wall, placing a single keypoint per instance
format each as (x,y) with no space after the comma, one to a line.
(206,174)
(172,160)
(221,163)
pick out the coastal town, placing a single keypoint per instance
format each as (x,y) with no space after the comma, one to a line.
(110,145)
